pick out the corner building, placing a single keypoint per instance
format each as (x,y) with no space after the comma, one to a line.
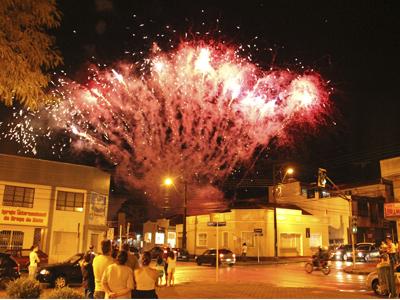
(61,207)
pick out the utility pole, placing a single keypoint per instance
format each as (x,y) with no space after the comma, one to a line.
(275,219)
(352,233)
(184,215)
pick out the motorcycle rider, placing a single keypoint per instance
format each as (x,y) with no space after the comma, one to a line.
(320,257)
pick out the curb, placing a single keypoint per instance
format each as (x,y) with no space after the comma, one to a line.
(357,272)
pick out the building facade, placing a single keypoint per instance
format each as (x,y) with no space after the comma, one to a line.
(298,234)
(59,206)
(159,233)
(366,200)
(390,170)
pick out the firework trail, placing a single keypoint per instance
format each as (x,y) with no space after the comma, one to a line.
(196,111)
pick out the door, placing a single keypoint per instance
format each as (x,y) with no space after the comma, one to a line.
(94,241)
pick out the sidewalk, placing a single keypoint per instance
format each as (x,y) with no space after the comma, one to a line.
(212,290)
(361,269)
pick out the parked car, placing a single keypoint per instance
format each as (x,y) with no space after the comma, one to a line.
(208,257)
(61,274)
(372,281)
(342,252)
(181,254)
(22,257)
(9,269)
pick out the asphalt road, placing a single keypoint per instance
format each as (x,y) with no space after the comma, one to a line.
(261,281)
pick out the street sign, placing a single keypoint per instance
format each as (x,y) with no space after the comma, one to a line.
(258,230)
(216,224)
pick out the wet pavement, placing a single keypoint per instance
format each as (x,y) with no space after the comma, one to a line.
(287,280)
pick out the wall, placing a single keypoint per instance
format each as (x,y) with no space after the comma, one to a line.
(240,223)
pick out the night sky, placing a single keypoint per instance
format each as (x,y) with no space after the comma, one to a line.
(354,44)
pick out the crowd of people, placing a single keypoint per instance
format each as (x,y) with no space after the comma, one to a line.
(115,274)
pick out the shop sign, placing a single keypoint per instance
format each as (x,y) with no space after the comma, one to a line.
(392,210)
(22,216)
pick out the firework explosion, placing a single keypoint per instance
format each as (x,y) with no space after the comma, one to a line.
(196,111)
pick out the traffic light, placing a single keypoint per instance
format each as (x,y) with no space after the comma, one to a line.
(354,224)
(321,177)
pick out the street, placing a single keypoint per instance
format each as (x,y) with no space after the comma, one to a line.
(261,281)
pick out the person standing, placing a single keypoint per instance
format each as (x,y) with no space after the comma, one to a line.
(88,275)
(171,268)
(118,278)
(146,279)
(160,268)
(132,262)
(33,261)
(391,251)
(244,251)
(100,264)
(165,257)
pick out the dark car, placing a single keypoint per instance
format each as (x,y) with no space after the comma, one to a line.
(9,269)
(22,257)
(61,274)
(343,252)
(181,254)
(208,257)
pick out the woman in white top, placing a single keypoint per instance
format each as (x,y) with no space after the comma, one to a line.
(145,278)
(171,268)
(117,279)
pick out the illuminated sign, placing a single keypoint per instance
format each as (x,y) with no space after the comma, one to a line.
(392,210)
(22,216)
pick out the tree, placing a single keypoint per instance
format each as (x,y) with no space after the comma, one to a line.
(27,51)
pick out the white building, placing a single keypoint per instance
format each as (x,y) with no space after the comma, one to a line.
(61,207)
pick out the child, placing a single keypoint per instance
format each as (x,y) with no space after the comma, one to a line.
(160,269)
(171,260)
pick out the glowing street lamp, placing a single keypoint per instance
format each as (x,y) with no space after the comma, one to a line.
(168,182)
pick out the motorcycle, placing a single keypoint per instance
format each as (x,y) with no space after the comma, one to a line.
(317,265)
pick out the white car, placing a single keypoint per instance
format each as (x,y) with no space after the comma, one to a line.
(372,281)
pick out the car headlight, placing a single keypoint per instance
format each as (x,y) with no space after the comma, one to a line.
(348,253)
(338,253)
(359,254)
(45,272)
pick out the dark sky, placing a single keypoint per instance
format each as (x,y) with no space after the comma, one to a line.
(354,44)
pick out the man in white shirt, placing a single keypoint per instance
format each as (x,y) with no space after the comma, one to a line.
(244,251)
(33,261)
(100,264)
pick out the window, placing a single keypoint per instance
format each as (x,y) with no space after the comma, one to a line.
(69,201)
(11,239)
(362,207)
(202,240)
(248,238)
(315,240)
(290,241)
(225,240)
(18,196)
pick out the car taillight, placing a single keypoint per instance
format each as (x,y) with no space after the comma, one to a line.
(221,255)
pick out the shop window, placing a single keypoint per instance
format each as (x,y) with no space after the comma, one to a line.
(202,240)
(11,239)
(18,196)
(147,237)
(70,201)
(248,238)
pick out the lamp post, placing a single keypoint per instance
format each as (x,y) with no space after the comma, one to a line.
(288,171)
(168,182)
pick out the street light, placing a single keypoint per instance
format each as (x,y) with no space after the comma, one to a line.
(168,182)
(289,171)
